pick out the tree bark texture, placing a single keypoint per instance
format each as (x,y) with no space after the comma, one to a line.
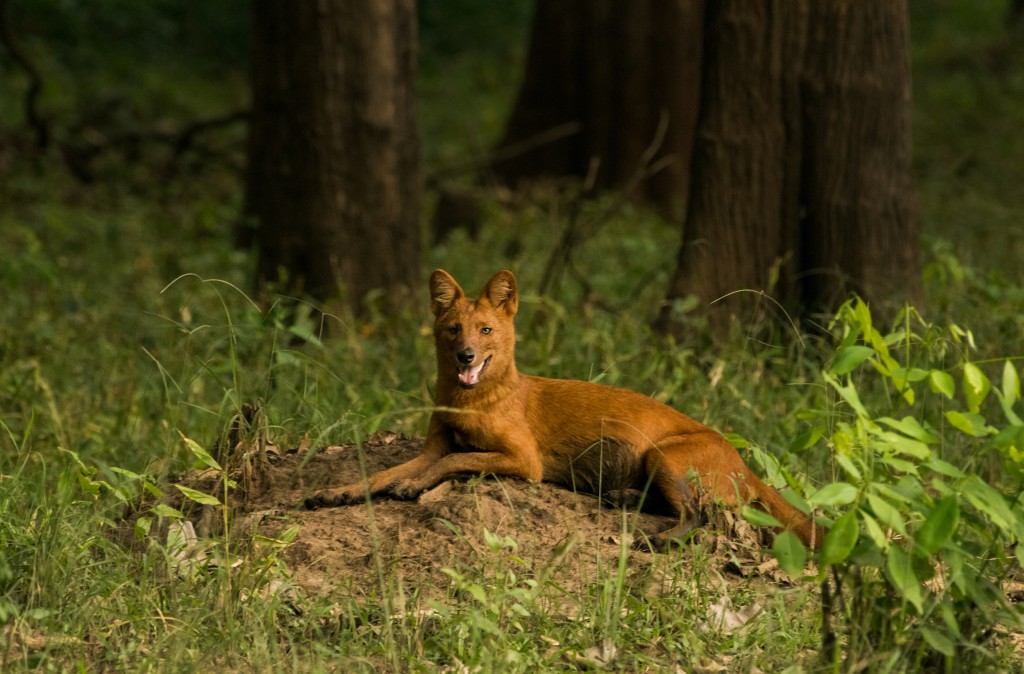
(606,82)
(738,221)
(861,227)
(333,183)
(801,183)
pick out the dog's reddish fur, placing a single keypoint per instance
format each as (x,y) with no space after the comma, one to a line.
(492,419)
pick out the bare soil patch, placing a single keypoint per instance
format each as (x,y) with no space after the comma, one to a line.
(562,536)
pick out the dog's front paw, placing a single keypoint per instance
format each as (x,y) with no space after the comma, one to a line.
(624,498)
(677,534)
(315,502)
(405,490)
(329,498)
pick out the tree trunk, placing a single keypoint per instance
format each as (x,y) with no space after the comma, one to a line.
(801,184)
(739,222)
(861,231)
(607,82)
(332,187)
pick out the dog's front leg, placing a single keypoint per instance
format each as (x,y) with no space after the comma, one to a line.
(438,443)
(518,461)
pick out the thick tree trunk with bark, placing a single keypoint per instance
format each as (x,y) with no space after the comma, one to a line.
(604,81)
(860,227)
(333,184)
(801,183)
(739,223)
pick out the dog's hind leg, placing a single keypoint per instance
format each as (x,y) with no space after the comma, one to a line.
(674,487)
(692,468)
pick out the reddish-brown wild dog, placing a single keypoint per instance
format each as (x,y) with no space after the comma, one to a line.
(598,439)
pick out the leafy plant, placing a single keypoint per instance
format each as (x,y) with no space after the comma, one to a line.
(919,543)
(491,625)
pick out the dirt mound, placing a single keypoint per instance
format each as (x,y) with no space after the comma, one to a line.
(557,534)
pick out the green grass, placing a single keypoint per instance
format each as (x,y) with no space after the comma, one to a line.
(125,319)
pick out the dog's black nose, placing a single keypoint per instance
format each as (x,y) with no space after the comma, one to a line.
(466,356)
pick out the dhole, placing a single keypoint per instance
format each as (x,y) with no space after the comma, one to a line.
(597,439)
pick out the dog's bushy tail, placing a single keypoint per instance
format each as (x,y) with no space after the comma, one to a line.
(791,519)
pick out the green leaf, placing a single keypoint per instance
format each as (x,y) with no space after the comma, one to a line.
(902,378)
(1010,393)
(794,499)
(897,495)
(198,496)
(790,552)
(970,423)
(976,386)
(902,375)
(836,493)
(142,527)
(937,640)
(736,440)
(125,473)
(806,439)
(887,514)
(900,465)
(1010,441)
(939,526)
(950,618)
(874,530)
(849,358)
(895,337)
(152,489)
(477,592)
(847,464)
(164,510)
(759,518)
(283,540)
(944,468)
(862,313)
(1011,384)
(993,504)
(910,489)
(899,568)
(1010,436)
(841,538)
(88,485)
(904,445)
(942,382)
(849,394)
(201,454)
(1011,416)
(910,427)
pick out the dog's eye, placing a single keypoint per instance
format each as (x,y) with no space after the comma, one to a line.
(485,331)
(455,329)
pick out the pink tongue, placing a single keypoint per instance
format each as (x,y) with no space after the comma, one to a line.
(470,375)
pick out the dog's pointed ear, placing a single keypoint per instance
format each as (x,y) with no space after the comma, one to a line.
(501,292)
(444,291)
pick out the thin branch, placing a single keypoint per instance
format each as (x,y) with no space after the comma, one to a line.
(578,230)
(187,136)
(35,80)
(79,157)
(538,140)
